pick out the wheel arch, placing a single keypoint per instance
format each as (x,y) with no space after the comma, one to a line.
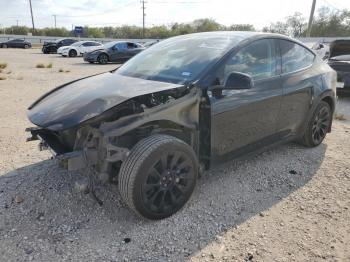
(104,53)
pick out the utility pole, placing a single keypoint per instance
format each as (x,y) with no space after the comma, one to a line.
(308,33)
(54,16)
(17,22)
(143,18)
(31,12)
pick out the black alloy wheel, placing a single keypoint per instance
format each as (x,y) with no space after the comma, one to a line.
(318,126)
(72,53)
(167,183)
(158,177)
(321,124)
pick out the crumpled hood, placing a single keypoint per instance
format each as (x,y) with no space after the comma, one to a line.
(78,101)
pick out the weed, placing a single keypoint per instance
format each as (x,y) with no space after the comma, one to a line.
(40,65)
(340,117)
(3,65)
(49,65)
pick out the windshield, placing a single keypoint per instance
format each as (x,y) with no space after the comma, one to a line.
(179,59)
(109,45)
(77,43)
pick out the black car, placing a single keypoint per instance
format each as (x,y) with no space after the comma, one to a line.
(16,43)
(339,60)
(183,106)
(114,52)
(51,47)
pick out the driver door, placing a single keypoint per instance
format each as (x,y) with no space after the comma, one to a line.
(243,120)
(118,52)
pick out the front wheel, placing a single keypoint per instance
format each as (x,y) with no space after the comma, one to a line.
(102,59)
(72,53)
(26,46)
(318,126)
(158,177)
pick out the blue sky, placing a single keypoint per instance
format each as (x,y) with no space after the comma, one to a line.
(119,12)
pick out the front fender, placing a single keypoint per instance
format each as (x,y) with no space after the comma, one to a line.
(183,111)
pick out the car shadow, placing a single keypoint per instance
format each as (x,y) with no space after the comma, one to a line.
(96,64)
(53,212)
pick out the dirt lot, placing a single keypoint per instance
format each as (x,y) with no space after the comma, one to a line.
(287,204)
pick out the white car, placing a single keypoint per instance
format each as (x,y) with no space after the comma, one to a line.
(321,49)
(78,48)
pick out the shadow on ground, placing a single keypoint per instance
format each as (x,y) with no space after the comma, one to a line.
(54,222)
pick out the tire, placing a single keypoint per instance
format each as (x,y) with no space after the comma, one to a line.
(318,126)
(102,59)
(26,46)
(72,53)
(158,177)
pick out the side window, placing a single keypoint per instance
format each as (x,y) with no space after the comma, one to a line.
(294,56)
(121,46)
(131,45)
(259,60)
(87,44)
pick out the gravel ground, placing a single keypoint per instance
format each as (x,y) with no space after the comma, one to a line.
(287,204)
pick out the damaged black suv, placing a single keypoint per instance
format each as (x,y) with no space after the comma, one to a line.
(182,106)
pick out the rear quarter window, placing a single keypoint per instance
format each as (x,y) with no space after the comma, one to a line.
(295,57)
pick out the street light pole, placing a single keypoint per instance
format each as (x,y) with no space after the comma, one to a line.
(31,12)
(54,16)
(308,33)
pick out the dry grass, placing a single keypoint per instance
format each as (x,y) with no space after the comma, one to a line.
(3,65)
(9,72)
(62,70)
(19,78)
(49,65)
(339,117)
(2,78)
(40,65)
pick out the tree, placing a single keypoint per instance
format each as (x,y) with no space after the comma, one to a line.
(241,27)
(278,27)
(296,24)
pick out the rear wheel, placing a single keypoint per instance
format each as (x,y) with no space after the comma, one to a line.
(26,46)
(158,177)
(318,125)
(102,59)
(72,53)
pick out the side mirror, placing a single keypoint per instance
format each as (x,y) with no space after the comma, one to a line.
(238,80)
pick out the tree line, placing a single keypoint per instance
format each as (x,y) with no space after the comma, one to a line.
(327,22)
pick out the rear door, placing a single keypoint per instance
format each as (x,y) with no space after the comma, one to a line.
(243,120)
(298,81)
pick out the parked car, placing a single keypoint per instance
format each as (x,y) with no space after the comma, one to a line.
(16,43)
(183,106)
(339,60)
(120,51)
(51,47)
(321,49)
(78,48)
